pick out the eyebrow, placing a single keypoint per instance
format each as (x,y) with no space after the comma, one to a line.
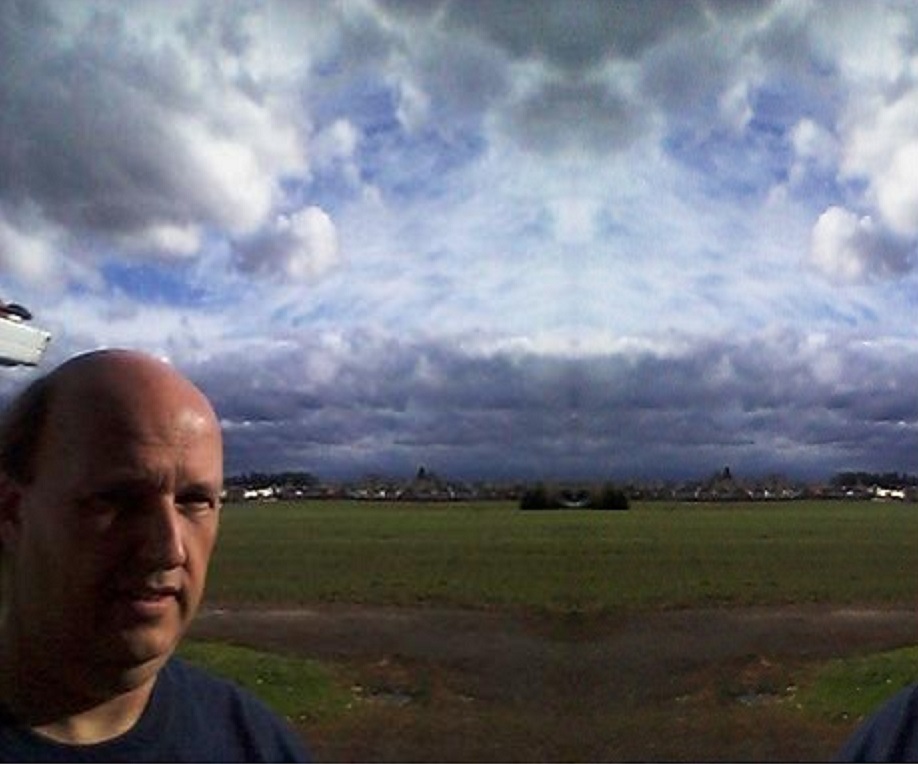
(204,487)
(128,477)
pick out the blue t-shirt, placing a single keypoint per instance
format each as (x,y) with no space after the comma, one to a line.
(191,716)
(891,734)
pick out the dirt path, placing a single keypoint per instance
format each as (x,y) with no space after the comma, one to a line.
(469,685)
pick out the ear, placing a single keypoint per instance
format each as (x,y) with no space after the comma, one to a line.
(10,510)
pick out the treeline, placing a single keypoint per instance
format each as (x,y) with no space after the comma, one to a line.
(257,480)
(881,479)
(543,497)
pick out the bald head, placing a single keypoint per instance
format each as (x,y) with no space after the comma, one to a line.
(121,372)
(111,390)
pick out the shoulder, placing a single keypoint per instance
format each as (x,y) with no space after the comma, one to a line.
(178,674)
(231,717)
(890,734)
(208,690)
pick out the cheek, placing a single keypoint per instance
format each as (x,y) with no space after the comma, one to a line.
(62,574)
(200,539)
(49,540)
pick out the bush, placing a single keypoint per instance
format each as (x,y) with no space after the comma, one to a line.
(612,498)
(538,498)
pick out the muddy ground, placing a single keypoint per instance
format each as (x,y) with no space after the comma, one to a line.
(458,685)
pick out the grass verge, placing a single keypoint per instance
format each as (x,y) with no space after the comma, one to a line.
(301,690)
(852,688)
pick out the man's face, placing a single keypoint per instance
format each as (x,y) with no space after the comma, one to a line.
(117,529)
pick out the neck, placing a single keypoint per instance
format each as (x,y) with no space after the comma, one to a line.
(63,703)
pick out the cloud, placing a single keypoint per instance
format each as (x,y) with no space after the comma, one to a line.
(880,150)
(27,257)
(298,247)
(861,140)
(814,146)
(897,189)
(580,115)
(585,229)
(849,249)
(139,141)
(552,79)
(769,402)
(32,265)
(574,38)
(335,143)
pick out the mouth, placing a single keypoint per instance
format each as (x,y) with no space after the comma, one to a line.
(153,592)
(148,602)
(145,591)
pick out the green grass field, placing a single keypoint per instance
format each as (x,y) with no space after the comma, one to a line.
(486,555)
(482,555)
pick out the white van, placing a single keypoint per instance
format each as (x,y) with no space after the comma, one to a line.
(20,344)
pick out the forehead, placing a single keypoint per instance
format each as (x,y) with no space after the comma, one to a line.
(99,419)
(150,421)
(130,399)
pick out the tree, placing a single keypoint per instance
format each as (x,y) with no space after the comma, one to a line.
(537,498)
(612,498)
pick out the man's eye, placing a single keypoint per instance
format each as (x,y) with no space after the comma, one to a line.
(194,504)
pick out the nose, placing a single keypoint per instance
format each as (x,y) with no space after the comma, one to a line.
(161,534)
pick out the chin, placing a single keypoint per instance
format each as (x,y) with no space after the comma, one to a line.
(149,641)
(126,665)
(141,648)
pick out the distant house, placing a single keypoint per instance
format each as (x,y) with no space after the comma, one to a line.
(256,494)
(888,494)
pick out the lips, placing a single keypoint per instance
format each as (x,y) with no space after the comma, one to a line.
(152,593)
(146,602)
(146,605)
(150,586)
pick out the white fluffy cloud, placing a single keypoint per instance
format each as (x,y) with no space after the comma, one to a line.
(848,248)
(27,257)
(871,146)
(881,149)
(298,247)
(140,141)
(814,144)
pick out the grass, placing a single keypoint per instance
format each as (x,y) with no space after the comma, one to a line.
(851,688)
(493,555)
(299,689)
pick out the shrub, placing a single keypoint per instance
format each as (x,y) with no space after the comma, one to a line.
(538,498)
(612,498)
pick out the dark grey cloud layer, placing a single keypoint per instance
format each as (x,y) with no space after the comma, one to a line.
(760,405)
(578,36)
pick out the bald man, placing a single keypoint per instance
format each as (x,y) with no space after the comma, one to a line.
(111,469)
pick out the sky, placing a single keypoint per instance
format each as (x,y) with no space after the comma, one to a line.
(507,239)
